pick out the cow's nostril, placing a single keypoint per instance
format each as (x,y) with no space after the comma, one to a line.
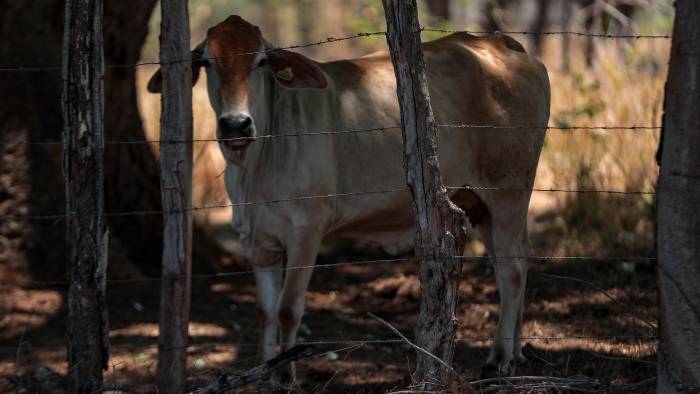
(235,125)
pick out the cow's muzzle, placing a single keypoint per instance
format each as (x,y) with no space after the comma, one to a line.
(235,131)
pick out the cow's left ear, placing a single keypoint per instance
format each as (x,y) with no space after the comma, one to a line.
(296,71)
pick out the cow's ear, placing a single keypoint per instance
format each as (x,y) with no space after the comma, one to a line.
(155,84)
(296,71)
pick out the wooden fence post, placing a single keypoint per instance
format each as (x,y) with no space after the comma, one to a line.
(678,216)
(440,225)
(176,190)
(83,145)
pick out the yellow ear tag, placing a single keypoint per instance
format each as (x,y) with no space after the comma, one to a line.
(285,74)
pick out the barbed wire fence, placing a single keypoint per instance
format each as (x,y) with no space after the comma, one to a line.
(57,218)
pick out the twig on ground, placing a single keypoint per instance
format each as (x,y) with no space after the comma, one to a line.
(349,349)
(576,383)
(226,382)
(631,386)
(413,345)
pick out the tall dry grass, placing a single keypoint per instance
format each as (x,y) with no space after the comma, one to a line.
(623,88)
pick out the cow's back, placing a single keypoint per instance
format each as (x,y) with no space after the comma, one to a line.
(487,81)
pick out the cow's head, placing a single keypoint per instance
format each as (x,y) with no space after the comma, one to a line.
(237,58)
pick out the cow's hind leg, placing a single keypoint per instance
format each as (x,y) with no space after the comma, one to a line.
(503,235)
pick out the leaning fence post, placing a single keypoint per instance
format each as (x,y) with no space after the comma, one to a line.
(83,95)
(440,225)
(678,242)
(176,191)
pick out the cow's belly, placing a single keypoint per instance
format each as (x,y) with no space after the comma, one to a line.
(385,219)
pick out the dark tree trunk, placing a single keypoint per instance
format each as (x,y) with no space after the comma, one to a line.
(270,21)
(131,171)
(30,176)
(83,150)
(539,24)
(678,242)
(439,8)
(491,10)
(440,225)
(306,11)
(176,191)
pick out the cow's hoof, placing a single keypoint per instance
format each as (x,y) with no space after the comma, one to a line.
(520,359)
(493,370)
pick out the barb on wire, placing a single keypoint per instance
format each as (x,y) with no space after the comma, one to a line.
(554,190)
(344,131)
(551,33)
(329,40)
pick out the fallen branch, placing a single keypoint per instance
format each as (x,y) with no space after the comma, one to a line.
(616,388)
(576,383)
(226,382)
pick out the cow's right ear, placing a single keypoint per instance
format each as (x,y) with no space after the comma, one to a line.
(155,85)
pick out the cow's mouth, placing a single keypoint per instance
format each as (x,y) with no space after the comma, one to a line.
(237,143)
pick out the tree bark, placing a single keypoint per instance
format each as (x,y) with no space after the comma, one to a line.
(31,182)
(176,189)
(678,241)
(83,145)
(307,17)
(439,8)
(440,225)
(131,171)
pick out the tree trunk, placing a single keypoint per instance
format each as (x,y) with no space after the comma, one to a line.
(306,11)
(440,225)
(83,145)
(439,8)
(30,175)
(30,178)
(131,171)
(270,21)
(176,189)
(679,220)
(538,26)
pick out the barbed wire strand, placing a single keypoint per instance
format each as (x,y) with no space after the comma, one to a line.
(347,131)
(551,33)
(27,347)
(531,259)
(324,196)
(329,40)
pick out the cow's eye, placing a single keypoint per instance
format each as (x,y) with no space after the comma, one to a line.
(261,62)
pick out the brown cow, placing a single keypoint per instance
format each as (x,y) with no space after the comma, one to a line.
(257,91)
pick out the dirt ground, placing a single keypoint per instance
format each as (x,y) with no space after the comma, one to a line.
(224,327)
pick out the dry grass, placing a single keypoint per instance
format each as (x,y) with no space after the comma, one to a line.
(624,88)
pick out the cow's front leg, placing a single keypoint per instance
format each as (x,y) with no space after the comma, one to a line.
(268,281)
(301,256)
